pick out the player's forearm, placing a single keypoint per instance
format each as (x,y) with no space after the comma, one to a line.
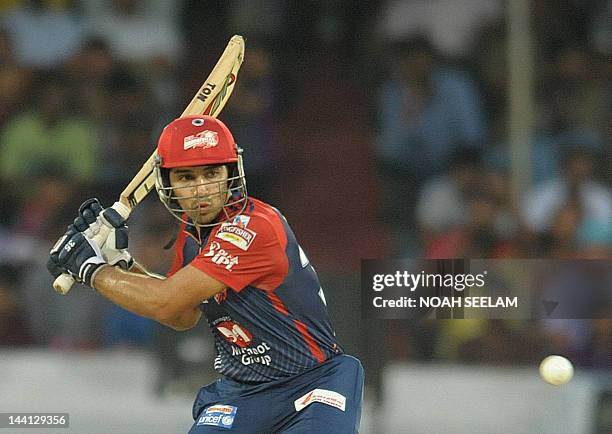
(143,295)
(138,268)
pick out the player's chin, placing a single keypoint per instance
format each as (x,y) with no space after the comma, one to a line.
(204,217)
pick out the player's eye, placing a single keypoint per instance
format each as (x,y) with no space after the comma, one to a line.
(213,173)
(186,177)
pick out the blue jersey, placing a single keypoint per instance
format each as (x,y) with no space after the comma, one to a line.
(271,322)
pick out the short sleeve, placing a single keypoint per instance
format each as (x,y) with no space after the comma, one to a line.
(245,254)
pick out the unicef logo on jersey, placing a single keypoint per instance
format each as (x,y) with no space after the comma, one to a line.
(218,415)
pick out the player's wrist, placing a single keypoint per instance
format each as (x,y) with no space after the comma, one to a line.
(121,258)
(102,273)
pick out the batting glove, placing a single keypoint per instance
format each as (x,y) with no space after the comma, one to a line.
(78,255)
(92,220)
(52,264)
(114,248)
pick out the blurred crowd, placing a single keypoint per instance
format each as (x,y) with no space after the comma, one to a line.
(379,128)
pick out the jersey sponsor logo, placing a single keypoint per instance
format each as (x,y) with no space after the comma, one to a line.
(220,296)
(236,235)
(220,256)
(328,397)
(235,333)
(257,354)
(205,139)
(241,220)
(221,416)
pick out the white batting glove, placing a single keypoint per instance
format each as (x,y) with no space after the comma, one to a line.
(93,221)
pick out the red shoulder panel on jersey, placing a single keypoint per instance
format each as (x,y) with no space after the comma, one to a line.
(249,251)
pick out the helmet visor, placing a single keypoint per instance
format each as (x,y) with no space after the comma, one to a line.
(203,193)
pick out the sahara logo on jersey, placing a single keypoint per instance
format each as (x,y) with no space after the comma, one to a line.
(235,334)
(206,139)
(241,237)
(323,396)
(220,256)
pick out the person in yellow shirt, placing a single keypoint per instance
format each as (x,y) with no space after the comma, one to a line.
(49,136)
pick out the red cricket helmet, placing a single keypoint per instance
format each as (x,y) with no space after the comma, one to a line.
(199,140)
(196,141)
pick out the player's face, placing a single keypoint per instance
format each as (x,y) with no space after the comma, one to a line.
(200,190)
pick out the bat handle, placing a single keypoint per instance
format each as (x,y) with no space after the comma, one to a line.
(65,281)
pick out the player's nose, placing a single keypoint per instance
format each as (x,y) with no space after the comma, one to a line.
(204,187)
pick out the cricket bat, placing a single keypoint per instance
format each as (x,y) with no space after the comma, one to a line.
(209,100)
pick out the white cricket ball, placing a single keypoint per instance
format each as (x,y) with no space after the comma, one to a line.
(556,370)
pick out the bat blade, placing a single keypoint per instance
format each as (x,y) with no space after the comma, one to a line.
(210,100)
(218,87)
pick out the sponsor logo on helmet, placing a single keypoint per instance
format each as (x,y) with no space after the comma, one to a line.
(205,139)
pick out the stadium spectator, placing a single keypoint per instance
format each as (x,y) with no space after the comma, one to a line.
(44,37)
(90,70)
(425,108)
(442,200)
(128,129)
(450,25)
(15,80)
(13,325)
(577,184)
(137,31)
(481,236)
(255,116)
(49,136)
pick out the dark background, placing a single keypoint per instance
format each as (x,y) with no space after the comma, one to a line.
(381,129)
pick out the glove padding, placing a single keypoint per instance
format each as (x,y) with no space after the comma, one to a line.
(78,255)
(91,221)
(87,220)
(52,262)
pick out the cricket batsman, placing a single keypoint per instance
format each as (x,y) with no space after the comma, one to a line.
(238,263)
